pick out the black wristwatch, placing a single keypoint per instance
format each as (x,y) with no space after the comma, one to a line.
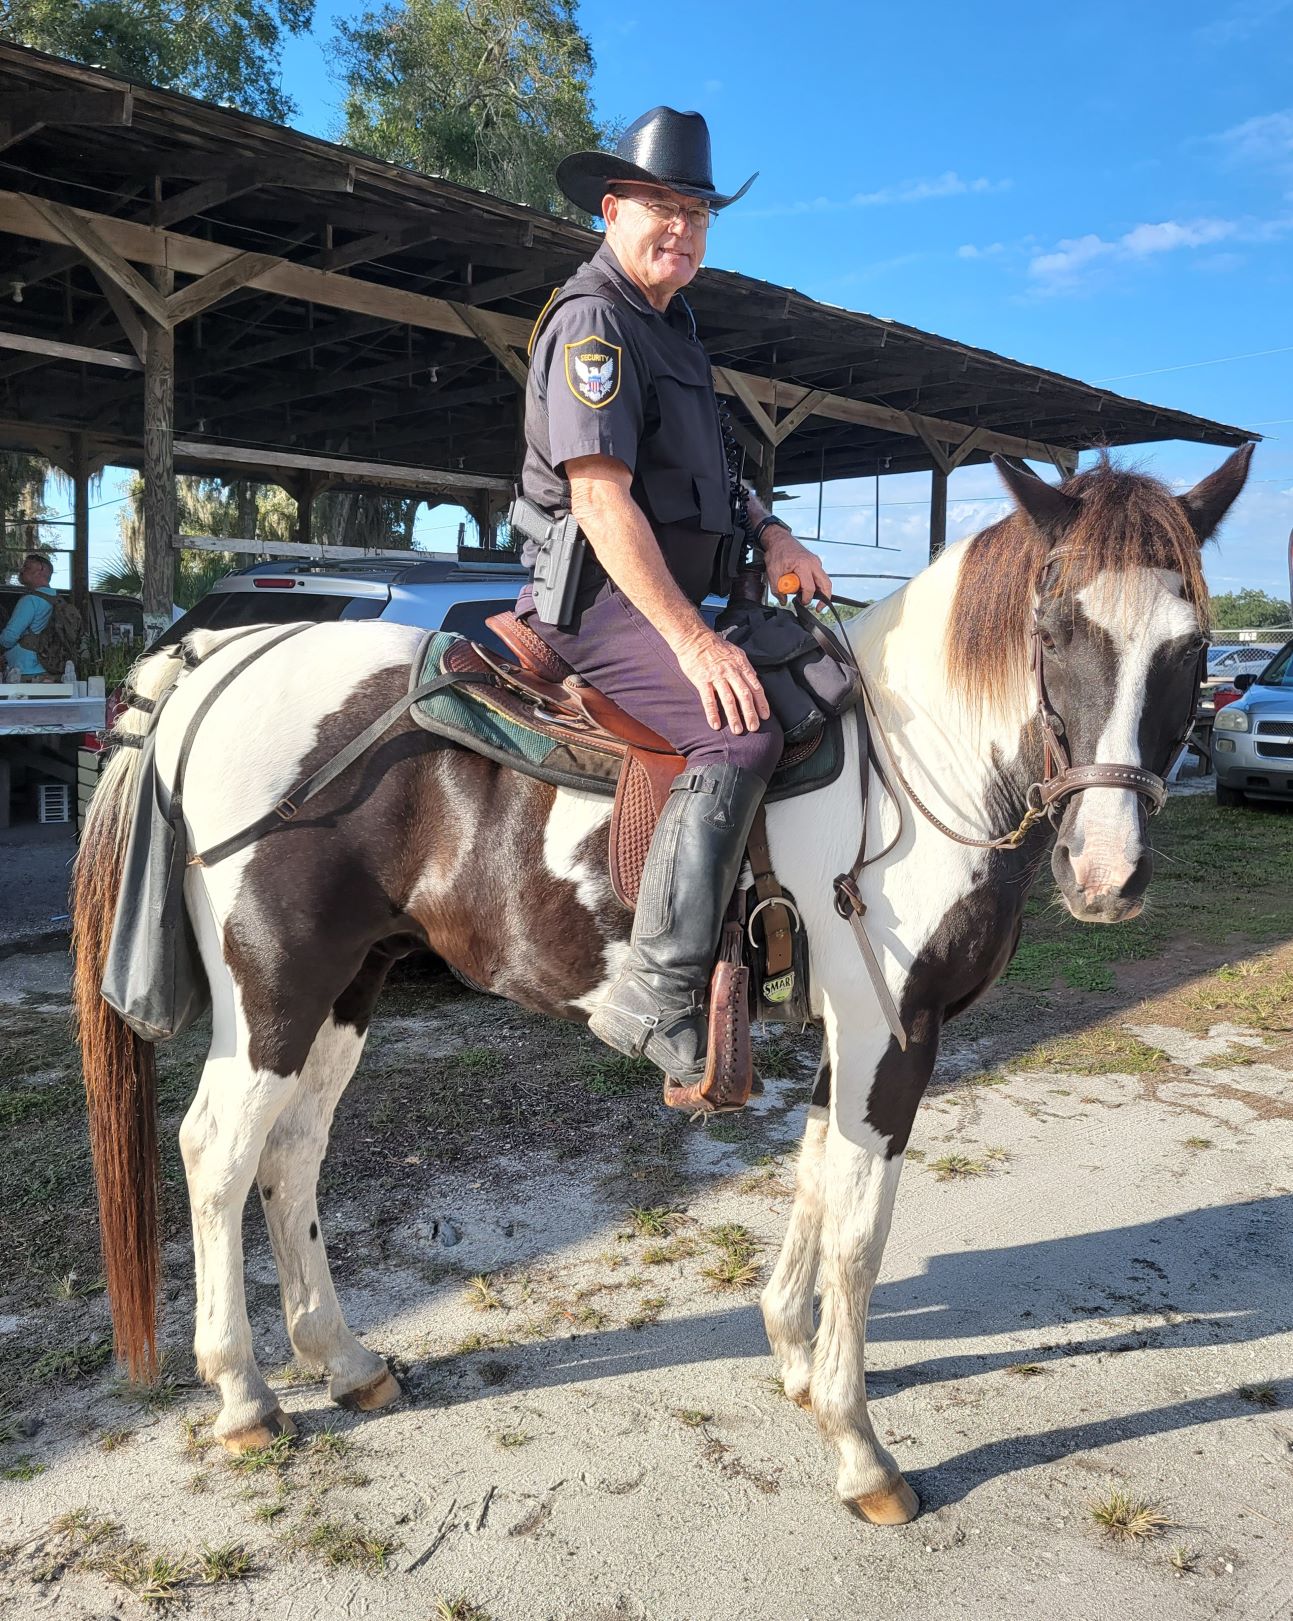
(766,522)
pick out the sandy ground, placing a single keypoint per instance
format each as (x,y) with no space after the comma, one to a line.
(596,1432)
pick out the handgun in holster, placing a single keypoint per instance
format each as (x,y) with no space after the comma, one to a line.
(558,562)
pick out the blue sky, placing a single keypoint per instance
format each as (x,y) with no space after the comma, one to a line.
(1107,192)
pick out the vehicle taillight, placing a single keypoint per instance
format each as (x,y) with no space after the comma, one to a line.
(274,585)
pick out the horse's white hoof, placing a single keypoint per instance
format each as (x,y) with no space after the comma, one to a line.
(895,1504)
(381,1392)
(256,1437)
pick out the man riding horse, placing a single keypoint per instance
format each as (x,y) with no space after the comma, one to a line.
(623,433)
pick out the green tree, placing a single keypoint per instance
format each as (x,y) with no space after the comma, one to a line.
(1248,609)
(490,93)
(22,507)
(223,50)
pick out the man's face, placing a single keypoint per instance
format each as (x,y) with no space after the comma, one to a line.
(660,254)
(34,574)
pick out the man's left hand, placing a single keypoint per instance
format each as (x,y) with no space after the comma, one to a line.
(783,554)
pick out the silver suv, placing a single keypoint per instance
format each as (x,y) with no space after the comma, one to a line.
(1252,738)
(437,593)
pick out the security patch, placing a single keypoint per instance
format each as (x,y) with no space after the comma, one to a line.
(593,371)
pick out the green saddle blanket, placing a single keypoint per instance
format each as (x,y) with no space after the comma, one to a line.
(467,715)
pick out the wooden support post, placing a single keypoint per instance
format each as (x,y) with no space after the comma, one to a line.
(159,470)
(306,490)
(81,526)
(937,512)
(246,495)
(765,479)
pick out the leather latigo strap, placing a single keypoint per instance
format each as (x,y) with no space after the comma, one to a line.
(771,908)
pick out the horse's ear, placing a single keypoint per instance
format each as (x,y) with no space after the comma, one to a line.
(1212,497)
(1049,508)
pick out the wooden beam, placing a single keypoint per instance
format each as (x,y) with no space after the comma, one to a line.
(938,454)
(740,385)
(216,284)
(23,112)
(792,419)
(520,281)
(511,362)
(160,516)
(295,548)
(388,474)
(81,525)
(128,317)
(54,350)
(70,225)
(967,447)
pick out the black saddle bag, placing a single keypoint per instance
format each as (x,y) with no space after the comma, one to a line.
(153,975)
(806,672)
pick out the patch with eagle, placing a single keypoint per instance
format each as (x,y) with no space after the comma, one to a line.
(593,371)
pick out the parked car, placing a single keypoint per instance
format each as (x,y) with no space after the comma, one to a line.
(1235,659)
(1252,738)
(437,593)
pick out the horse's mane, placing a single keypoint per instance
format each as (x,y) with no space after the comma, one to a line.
(1127,520)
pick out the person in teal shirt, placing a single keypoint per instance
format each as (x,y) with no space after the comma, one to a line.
(30,616)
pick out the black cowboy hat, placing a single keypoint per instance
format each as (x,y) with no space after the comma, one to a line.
(662,148)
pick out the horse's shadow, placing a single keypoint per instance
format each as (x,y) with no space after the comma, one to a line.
(1199,1279)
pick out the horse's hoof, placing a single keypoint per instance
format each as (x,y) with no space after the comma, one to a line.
(256,1437)
(894,1505)
(802,1398)
(368,1398)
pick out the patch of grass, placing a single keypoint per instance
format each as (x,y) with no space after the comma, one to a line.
(156,1578)
(110,1440)
(480,1342)
(155,1397)
(196,1435)
(481,1294)
(352,1545)
(1026,1370)
(1199,1143)
(23,1468)
(85,1527)
(1259,1395)
(73,1362)
(263,1459)
(692,1417)
(654,1221)
(1128,1519)
(330,1444)
(1101,1050)
(957,1167)
(480,1062)
(270,1510)
(679,1248)
(459,1609)
(647,1313)
(613,1075)
(1182,1558)
(1256,991)
(70,1287)
(515,1438)
(736,1267)
(229,1562)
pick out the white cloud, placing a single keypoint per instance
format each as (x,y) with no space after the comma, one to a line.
(968,250)
(948,184)
(1265,140)
(1062,268)
(1240,22)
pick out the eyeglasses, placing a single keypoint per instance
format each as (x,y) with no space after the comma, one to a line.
(698,215)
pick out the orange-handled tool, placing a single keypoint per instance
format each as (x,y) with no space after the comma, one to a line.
(788,585)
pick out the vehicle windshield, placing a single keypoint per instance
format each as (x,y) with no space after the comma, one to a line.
(1279,672)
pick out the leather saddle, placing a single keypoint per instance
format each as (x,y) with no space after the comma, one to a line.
(543,692)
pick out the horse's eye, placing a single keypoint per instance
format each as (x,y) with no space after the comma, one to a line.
(1046,639)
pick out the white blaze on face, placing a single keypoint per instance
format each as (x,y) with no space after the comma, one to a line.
(1141,611)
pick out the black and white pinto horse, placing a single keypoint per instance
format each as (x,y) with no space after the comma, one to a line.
(506,878)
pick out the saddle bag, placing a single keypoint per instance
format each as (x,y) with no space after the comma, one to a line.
(806,673)
(153,975)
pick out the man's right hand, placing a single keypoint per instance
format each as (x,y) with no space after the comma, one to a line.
(726,681)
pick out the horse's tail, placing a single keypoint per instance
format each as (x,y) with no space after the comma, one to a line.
(120,1067)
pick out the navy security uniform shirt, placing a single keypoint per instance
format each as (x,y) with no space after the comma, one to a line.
(611,376)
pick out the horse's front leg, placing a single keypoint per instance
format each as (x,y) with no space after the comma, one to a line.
(788,1299)
(875,1090)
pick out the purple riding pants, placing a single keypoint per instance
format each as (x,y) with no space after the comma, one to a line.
(621,653)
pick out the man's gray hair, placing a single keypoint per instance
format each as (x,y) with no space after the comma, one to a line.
(41,558)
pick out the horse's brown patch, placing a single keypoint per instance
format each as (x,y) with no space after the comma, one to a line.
(1126,520)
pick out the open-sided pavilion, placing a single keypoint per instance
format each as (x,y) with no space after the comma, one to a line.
(186,288)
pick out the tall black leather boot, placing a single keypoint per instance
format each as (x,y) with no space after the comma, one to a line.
(656,1007)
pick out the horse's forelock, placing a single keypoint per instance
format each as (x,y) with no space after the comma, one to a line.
(1128,520)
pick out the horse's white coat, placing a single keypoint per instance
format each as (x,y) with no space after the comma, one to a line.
(1140,610)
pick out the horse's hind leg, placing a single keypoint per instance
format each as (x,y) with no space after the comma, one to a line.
(288,1178)
(221,1140)
(788,1299)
